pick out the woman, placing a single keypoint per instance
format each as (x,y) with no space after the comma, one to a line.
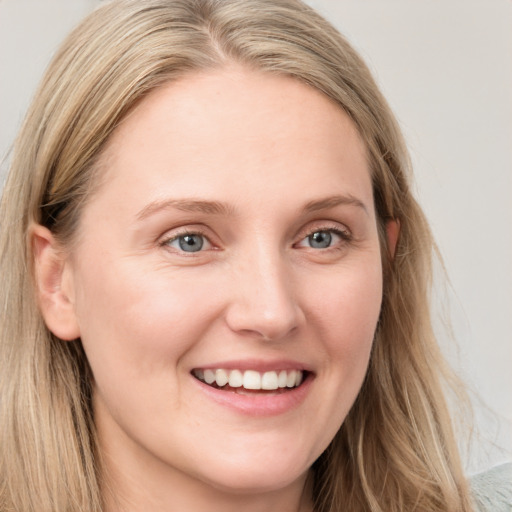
(216,277)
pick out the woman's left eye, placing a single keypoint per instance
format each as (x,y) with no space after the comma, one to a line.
(323,239)
(189,242)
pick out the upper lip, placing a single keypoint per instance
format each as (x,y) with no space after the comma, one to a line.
(258,365)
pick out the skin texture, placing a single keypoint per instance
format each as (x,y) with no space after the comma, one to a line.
(264,147)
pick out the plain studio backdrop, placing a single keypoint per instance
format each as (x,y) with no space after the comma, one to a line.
(445,66)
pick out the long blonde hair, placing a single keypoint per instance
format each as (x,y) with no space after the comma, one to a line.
(396,449)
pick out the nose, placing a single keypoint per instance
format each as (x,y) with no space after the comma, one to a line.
(264,302)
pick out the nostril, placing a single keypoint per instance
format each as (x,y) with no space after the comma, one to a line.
(263,302)
(275,326)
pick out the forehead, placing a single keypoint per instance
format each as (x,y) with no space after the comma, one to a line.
(209,131)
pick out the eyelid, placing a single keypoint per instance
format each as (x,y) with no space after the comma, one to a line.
(172,235)
(342,231)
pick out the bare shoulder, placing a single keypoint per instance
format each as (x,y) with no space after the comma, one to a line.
(492,489)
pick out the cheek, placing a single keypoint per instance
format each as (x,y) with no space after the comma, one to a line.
(138,325)
(139,320)
(346,313)
(348,304)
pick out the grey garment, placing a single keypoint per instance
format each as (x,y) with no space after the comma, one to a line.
(492,489)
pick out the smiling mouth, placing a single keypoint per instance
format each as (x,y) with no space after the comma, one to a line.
(250,381)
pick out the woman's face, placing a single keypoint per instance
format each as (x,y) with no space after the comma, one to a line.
(233,237)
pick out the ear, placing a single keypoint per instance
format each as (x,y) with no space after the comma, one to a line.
(392,232)
(54,282)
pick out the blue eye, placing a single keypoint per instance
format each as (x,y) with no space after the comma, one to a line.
(189,242)
(324,239)
(320,239)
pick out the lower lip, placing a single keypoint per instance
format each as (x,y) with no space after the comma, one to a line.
(259,404)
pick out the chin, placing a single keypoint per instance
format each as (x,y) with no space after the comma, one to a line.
(256,480)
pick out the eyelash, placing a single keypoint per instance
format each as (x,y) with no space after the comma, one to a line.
(344,235)
(187,232)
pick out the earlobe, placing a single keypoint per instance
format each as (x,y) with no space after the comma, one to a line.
(392,233)
(54,282)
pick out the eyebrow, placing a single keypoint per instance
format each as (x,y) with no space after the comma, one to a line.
(333,201)
(185,205)
(218,208)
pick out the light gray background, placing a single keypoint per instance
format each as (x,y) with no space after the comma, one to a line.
(445,67)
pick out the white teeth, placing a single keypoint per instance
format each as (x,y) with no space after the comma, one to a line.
(236,379)
(269,381)
(251,379)
(290,379)
(283,377)
(221,377)
(209,376)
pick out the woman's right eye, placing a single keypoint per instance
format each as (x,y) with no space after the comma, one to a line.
(188,242)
